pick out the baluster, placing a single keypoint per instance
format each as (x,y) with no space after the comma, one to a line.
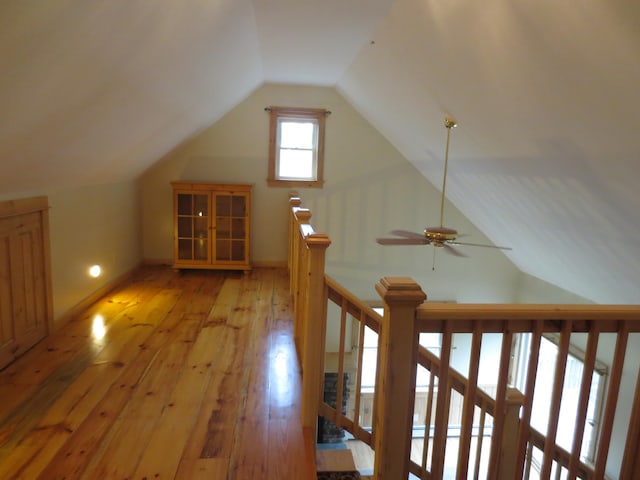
(612,401)
(630,468)
(469,401)
(480,443)
(340,386)
(360,353)
(583,404)
(427,425)
(443,403)
(532,371)
(500,411)
(556,400)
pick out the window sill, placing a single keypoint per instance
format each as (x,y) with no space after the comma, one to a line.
(295,183)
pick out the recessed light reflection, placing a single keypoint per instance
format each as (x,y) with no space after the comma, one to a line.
(95,271)
(282,391)
(98,330)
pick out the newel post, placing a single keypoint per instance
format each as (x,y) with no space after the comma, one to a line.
(315,324)
(294,204)
(396,376)
(509,452)
(299,274)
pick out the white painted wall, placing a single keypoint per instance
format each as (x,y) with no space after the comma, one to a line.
(89,225)
(533,290)
(370,189)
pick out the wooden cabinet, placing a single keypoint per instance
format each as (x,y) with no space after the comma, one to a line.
(211,225)
(26,306)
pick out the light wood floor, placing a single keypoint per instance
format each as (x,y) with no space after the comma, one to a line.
(195,377)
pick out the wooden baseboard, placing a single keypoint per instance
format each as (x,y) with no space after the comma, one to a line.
(94,297)
(157,262)
(270,264)
(259,264)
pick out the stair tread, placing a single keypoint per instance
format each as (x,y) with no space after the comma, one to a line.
(335,460)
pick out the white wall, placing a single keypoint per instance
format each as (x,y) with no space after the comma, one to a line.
(533,290)
(370,189)
(90,225)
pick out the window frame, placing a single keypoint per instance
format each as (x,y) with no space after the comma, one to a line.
(519,376)
(277,114)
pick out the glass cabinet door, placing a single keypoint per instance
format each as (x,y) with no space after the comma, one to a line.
(193,226)
(231,221)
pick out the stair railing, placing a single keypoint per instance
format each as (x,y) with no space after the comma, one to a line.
(306,263)
(503,417)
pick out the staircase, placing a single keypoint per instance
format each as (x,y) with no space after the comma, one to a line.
(495,434)
(335,462)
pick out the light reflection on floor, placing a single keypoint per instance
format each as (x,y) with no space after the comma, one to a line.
(283,374)
(98,328)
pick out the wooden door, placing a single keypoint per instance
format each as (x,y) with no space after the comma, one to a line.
(25,312)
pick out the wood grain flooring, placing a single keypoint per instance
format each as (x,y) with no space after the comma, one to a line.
(174,375)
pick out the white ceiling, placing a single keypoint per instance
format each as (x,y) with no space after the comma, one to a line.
(546,94)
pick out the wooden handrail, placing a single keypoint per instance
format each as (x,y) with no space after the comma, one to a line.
(405,317)
(461,317)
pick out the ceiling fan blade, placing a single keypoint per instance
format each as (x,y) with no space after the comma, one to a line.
(407,234)
(479,245)
(453,251)
(403,241)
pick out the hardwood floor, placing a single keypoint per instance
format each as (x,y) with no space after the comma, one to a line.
(181,375)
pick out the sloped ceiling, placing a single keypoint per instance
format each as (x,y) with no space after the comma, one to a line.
(545,93)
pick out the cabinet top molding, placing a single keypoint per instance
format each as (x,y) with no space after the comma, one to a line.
(210,185)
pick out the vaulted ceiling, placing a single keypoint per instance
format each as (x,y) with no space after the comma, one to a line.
(545,93)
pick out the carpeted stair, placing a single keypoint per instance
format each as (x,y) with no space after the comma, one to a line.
(354,475)
(335,462)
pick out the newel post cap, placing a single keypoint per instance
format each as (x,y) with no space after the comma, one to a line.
(295,201)
(514,397)
(318,240)
(302,214)
(400,290)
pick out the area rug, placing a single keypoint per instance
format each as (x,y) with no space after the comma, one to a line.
(339,475)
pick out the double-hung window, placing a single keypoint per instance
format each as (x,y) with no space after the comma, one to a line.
(296,146)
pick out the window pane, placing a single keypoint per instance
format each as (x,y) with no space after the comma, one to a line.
(185,204)
(432,342)
(296,164)
(296,134)
(369,363)
(370,338)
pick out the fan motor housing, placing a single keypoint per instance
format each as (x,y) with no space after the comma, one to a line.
(440,234)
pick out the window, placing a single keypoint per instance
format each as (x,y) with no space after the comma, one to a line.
(430,341)
(570,392)
(296,146)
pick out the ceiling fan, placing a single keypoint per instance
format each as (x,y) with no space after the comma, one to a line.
(439,236)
